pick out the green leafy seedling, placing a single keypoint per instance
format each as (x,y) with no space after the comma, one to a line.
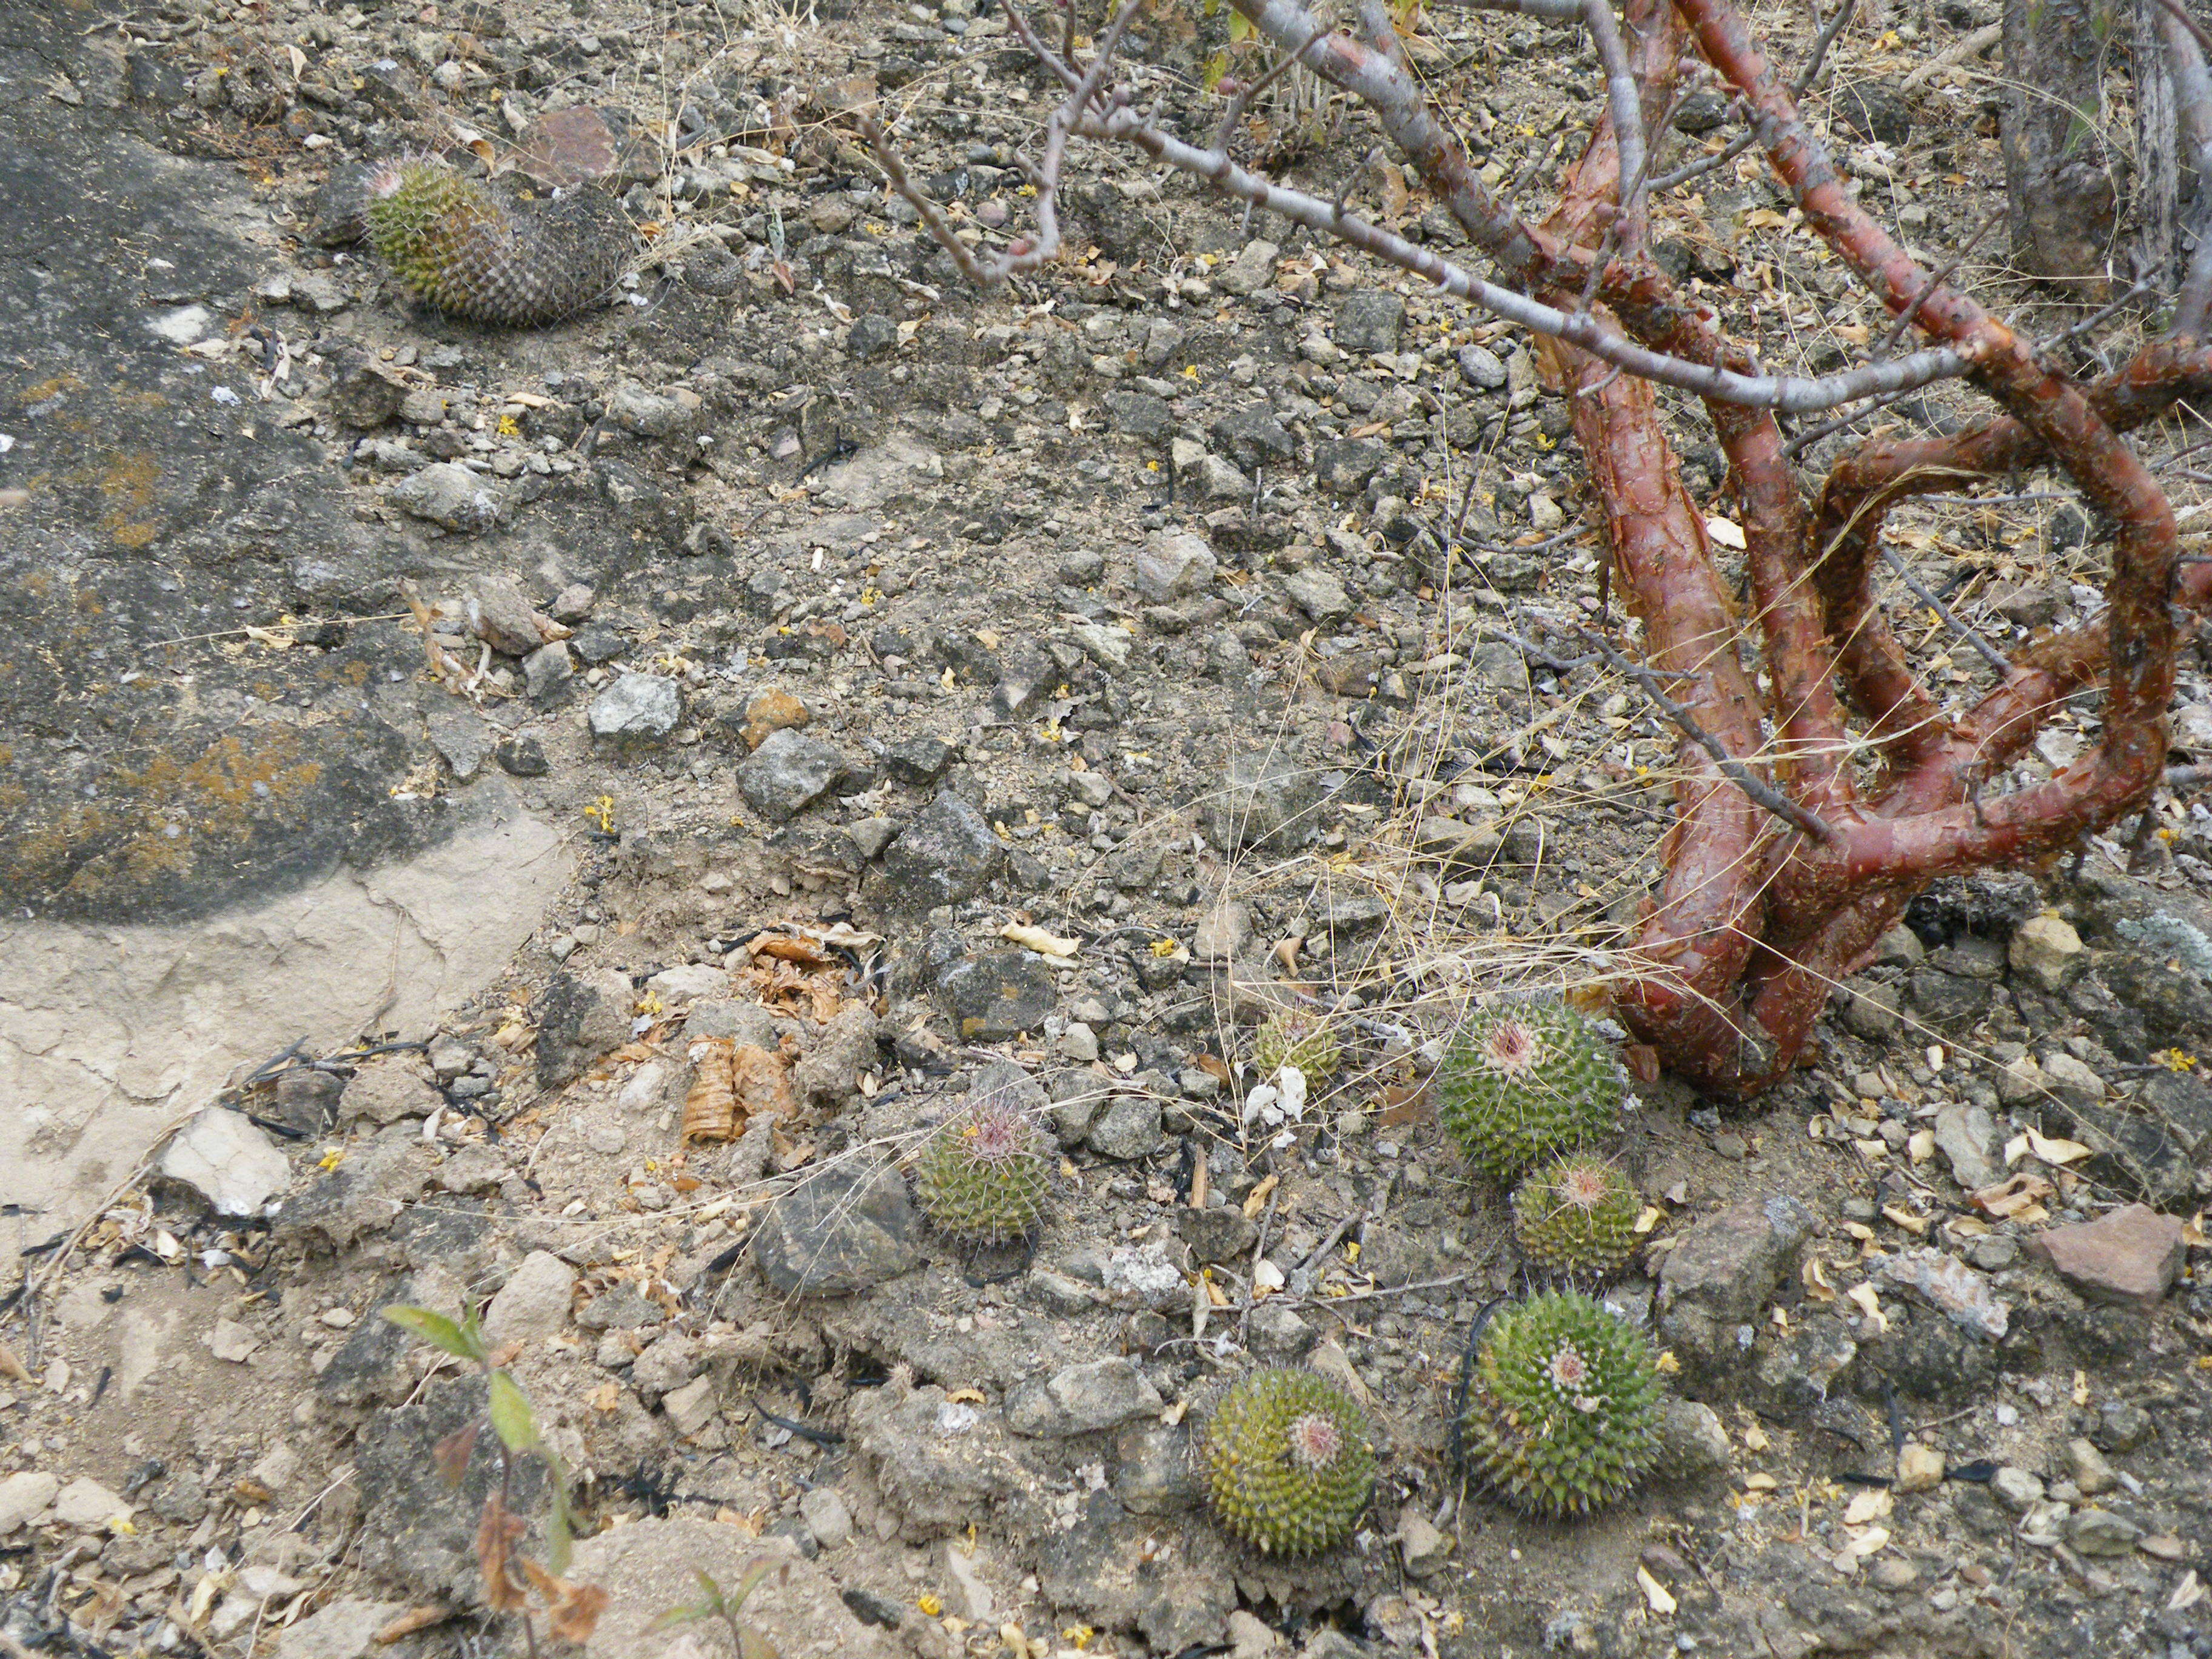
(572,1610)
(714,1603)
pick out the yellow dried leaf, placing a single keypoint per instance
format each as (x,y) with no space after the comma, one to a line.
(1037,939)
(1869,1505)
(1726,532)
(1650,1218)
(1760,1482)
(1918,1226)
(1870,1304)
(1654,1591)
(1816,1280)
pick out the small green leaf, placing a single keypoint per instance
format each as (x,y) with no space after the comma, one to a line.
(1216,67)
(750,1582)
(440,1332)
(1240,28)
(511,1417)
(751,1644)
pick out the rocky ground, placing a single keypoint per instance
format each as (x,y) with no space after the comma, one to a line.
(806,655)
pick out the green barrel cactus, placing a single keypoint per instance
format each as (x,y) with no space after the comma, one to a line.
(984,1175)
(1577,1215)
(1561,1416)
(465,250)
(1524,1081)
(1289,1462)
(1295,1038)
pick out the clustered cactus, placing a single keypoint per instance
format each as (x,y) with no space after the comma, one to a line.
(461,249)
(984,1175)
(1524,1081)
(1577,1215)
(1303,1040)
(1289,1463)
(1562,1410)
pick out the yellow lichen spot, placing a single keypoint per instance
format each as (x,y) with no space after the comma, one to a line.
(601,813)
(2174,1059)
(509,427)
(930,1605)
(1163,948)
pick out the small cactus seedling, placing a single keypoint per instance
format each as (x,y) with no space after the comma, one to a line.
(1289,1463)
(983,1176)
(1561,1416)
(1576,1216)
(1524,1081)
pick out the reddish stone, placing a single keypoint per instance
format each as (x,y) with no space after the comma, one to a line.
(570,146)
(2131,1256)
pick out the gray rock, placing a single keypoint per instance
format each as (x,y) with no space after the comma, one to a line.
(1153,1472)
(1077,1097)
(1276,1332)
(2101,1533)
(940,1467)
(500,615)
(1424,1548)
(826,1517)
(1949,1002)
(1220,1233)
(1174,565)
(581,1018)
(1479,367)
(534,1301)
(424,405)
(1797,1370)
(1967,1137)
(385,1091)
(2075,1083)
(1209,476)
(1221,931)
(788,774)
(2122,1426)
(1319,595)
(1254,437)
(365,395)
(1715,1281)
(2047,951)
(2016,1489)
(1100,1394)
(654,1566)
(448,495)
(1947,1285)
(1693,1442)
(524,757)
(947,854)
(1143,416)
(1343,465)
(870,836)
(1871,1012)
(544,671)
(1369,320)
(345,1629)
(919,761)
(224,1157)
(847,1228)
(649,415)
(1128,1128)
(1026,676)
(1252,269)
(829,1074)
(872,335)
(1265,800)
(638,708)
(24,1498)
(998,994)
(461,737)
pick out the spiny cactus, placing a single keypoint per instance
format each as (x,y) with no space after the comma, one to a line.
(1295,1038)
(1524,1081)
(1576,1215)
(983,1176)
(1289,1462)
(1562,1414)
(463,249)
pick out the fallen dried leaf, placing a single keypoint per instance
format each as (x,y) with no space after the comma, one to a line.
(1037,939)
(409,1622)
(1654,1591)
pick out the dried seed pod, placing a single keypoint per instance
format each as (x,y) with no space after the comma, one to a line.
(710,1105)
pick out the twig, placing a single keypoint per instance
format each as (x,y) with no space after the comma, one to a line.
(1744,140)
(1988,653)
(1965,46)
(1904,317)
(1686,722)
